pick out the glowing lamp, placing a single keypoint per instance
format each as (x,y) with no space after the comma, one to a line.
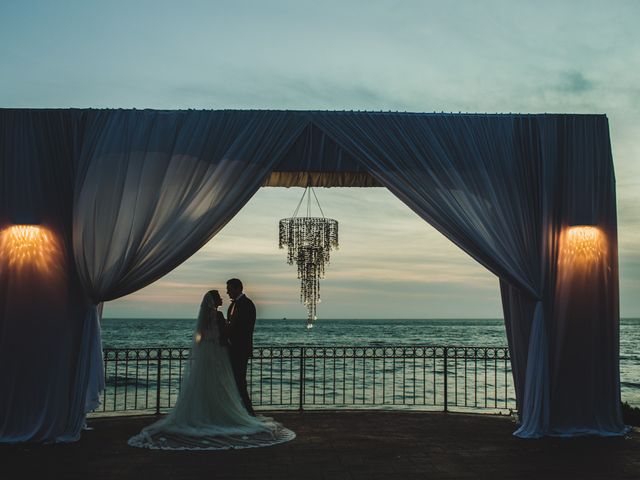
(583,244)
(34,246)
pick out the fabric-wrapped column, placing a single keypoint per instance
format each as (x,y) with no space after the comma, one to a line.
(43,363)
(583,271)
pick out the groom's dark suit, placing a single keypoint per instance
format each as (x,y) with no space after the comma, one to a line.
(242,318)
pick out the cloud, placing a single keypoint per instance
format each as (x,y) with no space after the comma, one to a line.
(574,82)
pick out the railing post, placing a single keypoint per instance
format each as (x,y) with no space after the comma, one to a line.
(302,379)
(446,382)
(158,382)
(104,392)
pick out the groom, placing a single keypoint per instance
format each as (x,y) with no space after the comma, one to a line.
(241,318)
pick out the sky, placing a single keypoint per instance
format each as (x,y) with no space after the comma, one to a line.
(490,56)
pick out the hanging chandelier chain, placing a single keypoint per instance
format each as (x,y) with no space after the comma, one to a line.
(295,213)
(317,201)
(308,195)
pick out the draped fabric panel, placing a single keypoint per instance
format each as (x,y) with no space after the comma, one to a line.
(518,308)
(124,196)
(316,158)
(534,416)
(461,174)
(478,180)
(504,188)
(154,187)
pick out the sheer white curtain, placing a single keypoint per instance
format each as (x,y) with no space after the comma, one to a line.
(154,187)
(491,184)
(457,173)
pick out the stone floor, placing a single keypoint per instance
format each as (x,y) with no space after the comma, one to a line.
(339,445)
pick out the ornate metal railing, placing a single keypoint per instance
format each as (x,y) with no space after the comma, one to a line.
(302,377)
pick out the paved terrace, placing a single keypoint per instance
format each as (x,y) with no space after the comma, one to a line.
(336,446)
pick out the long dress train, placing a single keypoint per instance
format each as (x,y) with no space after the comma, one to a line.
(209,413)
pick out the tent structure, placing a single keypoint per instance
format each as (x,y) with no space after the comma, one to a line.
(96,204)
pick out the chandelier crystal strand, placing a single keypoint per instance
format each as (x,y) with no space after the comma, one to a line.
(309,241)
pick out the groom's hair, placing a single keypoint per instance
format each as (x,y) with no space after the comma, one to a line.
(235,283)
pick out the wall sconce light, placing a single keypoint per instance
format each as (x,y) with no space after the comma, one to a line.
(23,246)
(583,244)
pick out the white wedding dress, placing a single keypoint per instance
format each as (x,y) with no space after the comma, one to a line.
(209,413)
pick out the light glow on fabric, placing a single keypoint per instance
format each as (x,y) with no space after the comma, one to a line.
(583,244)
(23,246)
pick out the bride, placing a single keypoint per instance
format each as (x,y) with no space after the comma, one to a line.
(209,413)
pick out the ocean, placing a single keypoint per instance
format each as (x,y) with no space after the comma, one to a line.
(149,333)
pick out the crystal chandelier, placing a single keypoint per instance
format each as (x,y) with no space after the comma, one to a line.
(309,241)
